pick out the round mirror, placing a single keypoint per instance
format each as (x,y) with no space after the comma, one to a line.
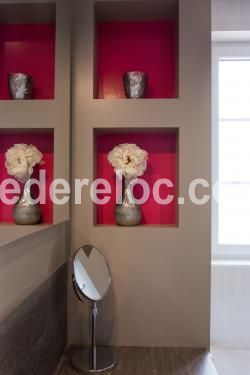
(91,277)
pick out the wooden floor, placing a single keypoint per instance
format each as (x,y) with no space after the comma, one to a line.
(154,361)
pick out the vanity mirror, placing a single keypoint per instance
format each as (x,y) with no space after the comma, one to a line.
(91,282)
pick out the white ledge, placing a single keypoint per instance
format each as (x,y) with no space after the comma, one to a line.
(231,36)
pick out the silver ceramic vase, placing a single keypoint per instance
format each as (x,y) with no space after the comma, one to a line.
(128,214)
(20,86)
(26,212)
(135,84)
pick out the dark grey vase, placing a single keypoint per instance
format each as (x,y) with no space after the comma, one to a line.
(20,86)
(135,84)
(128,213)
(26,212)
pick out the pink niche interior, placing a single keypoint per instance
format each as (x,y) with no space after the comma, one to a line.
(29,49)
(162,147)
(44,141)
(148,46)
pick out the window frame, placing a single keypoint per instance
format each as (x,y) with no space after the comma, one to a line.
(220,51)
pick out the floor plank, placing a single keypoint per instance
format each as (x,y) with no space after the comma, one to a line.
(154,361)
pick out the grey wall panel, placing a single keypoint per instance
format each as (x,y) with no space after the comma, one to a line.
(161,276)
(33,337)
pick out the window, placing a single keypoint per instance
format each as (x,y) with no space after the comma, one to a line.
(231,136)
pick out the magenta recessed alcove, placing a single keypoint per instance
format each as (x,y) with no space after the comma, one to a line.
(162,147)
(28,49)
(147,46)
(44,140)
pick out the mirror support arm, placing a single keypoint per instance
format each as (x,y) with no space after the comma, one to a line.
(94,312)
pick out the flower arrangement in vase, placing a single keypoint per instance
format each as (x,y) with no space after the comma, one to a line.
(130,161)
(20,162)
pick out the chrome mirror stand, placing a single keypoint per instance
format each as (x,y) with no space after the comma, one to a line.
(90,289)
(96,358)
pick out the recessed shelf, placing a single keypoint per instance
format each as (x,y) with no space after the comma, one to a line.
(145,38)
(43,139)
(162,146)
(153,226)
(35,39)
(27,45)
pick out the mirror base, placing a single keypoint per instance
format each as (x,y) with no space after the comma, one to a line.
(81,360)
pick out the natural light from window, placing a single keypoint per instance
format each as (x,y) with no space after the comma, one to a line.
(234,152)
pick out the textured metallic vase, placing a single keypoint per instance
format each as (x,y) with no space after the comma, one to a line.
(135,84)
(20,86)
(25,211)
(128,214)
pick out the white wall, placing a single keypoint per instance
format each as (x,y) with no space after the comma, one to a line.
(230,312)
(230,15)
(230,303)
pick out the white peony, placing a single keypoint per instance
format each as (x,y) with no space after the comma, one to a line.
(21,159)
(130,159)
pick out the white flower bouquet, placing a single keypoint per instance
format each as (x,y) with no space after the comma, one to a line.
(130,159)
(21,160)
